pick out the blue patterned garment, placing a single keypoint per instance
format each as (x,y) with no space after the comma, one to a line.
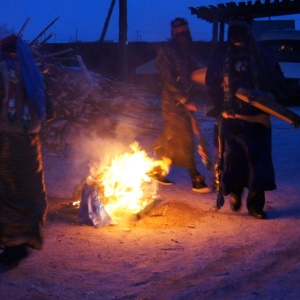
(92,211)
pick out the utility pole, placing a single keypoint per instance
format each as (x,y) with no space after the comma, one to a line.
(122,39)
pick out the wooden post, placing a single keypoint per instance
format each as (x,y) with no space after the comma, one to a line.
(221,33)
(215,31)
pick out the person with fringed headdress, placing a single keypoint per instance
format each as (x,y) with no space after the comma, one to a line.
(175,63)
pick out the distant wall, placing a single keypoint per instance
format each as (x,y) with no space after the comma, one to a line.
(103,58)
(259,27)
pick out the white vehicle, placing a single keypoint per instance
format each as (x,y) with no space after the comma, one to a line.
(286,45)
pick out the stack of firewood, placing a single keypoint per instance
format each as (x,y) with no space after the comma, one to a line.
(85,104)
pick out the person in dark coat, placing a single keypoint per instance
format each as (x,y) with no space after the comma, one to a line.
(244,131)
(175,63)
(23,202)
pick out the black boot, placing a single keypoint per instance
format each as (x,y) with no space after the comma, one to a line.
(235,202)
(199,185)
(258,214)
(11,256)
(236,199)
(255,204)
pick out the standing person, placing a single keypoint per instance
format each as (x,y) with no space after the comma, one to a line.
(244,131)
(23,201)
(175,63)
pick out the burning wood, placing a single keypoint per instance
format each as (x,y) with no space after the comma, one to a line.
(148,209)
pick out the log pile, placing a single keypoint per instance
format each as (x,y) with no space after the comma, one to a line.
(85,105)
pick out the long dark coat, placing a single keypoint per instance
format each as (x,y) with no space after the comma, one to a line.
(176,141)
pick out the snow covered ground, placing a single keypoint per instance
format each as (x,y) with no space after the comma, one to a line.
(187,253)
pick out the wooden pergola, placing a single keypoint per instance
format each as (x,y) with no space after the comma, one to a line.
(219,15)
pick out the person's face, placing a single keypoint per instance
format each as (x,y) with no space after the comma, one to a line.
(183,41)
(239,36)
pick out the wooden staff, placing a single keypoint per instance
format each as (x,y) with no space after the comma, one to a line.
(219,168)
(263,102)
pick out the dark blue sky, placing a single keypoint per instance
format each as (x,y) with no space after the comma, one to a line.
(148,20)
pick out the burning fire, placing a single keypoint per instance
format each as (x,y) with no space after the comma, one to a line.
(126,183)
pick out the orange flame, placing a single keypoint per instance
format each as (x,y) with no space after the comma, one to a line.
(126,182)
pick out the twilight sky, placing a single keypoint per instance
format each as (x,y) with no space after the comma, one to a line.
(148,20)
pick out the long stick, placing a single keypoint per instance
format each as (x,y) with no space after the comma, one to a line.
(43,31)
(23,27)
(203,144)
(58,53)
(101,40)
(47,38)
(219,168)
(262,102)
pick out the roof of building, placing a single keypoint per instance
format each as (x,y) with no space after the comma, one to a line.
(257,8)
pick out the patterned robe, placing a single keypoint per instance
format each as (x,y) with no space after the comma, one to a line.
(23,201)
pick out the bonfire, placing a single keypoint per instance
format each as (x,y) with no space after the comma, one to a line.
(124,187)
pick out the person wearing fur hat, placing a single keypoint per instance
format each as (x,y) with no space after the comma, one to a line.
(23,200)
(175,63)
(244,131)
